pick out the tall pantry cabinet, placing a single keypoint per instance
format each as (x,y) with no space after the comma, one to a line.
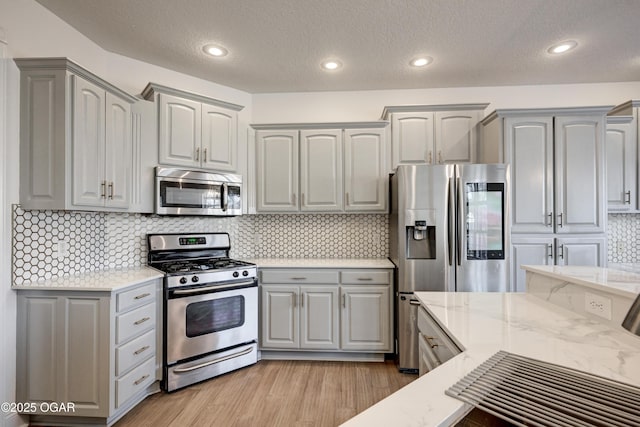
(558,197)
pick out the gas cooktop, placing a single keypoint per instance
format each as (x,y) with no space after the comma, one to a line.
(200,265)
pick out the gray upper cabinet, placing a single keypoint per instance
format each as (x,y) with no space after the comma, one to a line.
(557,168)
(195,131)
(434,134)
(321,167)
(75,149)
(622,158)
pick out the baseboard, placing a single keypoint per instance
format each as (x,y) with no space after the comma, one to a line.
(322,356)
(14,420)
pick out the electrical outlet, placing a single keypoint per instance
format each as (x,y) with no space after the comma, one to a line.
(620,246)
(63,249)
(598,305)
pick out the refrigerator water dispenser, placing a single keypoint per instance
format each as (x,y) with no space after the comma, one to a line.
(421,234)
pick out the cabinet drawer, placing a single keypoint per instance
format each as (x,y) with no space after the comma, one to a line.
(134,322)
(442,345)
(368,277)
(132,353)
(299,276)
(136,297)
(134,381)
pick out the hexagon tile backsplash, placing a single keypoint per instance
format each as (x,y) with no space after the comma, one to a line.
(103,240)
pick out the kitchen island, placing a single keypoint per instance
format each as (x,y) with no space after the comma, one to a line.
(522,323)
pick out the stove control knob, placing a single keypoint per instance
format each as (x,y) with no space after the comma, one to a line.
(245,273)
(195,279)
(183,280)
(236,274)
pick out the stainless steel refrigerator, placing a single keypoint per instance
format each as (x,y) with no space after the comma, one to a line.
(448,232)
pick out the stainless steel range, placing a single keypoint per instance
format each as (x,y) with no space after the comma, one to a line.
(210,307)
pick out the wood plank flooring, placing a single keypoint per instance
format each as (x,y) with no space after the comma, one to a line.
(274,393)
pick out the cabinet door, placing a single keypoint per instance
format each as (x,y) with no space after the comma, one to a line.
(321,187)
(412,138)
(277,171)
(280,317)
(319,317)
(366,180)
(118,152)
(528,251)
(219,138)
(366,318)
(180,131)
(456,136)
(89,186)
(579,174)
(529,150)
(585,251)
(621,149)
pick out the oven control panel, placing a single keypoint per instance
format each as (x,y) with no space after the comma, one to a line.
(188,241)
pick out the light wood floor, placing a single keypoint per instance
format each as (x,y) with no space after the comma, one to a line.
(274,393)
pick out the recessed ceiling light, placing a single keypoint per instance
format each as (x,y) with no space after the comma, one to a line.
(421,61)
(215,50)
(562,47)
(331,65)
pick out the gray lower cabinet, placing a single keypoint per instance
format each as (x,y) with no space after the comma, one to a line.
(434,345)
(326,310)
(96,350)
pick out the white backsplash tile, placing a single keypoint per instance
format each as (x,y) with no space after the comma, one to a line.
(103,240)
(623,232)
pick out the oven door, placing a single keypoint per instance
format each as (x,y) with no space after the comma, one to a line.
(210,317)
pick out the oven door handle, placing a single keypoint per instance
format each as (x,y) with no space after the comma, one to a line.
(211,362)
(194,291)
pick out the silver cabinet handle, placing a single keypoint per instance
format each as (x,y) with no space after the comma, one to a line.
(428,339)
(302,300)
(347,199)
(141,321)
(146,294)
(204,159)
(550,247)
(561,251)
(560,219)
(429,157)
(293,198)
(302,199)
(439,156)
(294,299)
(198,153)
(144,377)
(298,278)
(111,190)
(627,197)
(344,300)
(103,189)
(368,279)
(141,350)
(549,223)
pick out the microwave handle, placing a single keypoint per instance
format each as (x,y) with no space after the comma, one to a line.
(225,197)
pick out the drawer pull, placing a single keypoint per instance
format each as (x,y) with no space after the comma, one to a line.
(141,321)
(365,279)
(142,295)
(141,350)
(144,377)
(429,341)
(298,278)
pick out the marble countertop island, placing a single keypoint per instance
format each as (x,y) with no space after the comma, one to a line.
(485,323)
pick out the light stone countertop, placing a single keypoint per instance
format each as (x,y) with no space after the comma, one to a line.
(619,282)
(104,280)
(484,323)
(632,267)
(322,262)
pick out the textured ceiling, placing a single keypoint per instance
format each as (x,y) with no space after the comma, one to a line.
(278,45)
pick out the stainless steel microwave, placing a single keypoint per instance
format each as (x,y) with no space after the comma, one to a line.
(189,192)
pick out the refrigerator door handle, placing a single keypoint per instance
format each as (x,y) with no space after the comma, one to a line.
(450,221)
(459,220)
